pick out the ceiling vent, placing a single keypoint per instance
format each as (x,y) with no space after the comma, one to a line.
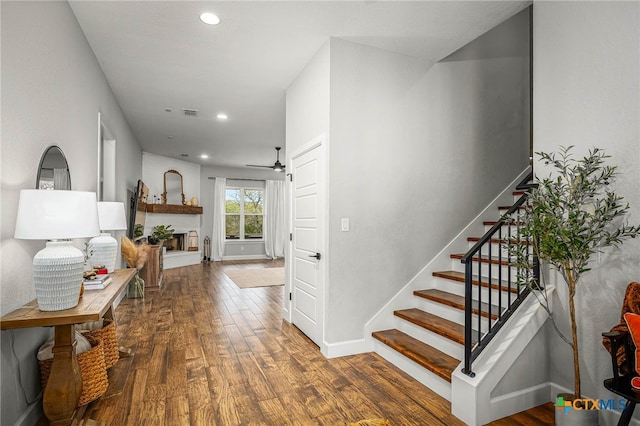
(190,112)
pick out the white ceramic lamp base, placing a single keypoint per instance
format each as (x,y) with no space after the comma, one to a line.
(57,275)
(103,251)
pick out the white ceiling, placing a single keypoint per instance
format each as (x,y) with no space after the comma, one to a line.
(158,54)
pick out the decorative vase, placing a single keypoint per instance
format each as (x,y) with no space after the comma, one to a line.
(136,288)
(571,416)
(57,275)
(103,251)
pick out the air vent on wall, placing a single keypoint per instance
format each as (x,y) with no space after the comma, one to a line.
(190,112)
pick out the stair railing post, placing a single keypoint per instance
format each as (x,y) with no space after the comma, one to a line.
(467,316)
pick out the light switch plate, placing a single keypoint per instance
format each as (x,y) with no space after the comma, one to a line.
(344,224)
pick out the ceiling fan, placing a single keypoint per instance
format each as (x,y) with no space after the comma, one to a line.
(278,167)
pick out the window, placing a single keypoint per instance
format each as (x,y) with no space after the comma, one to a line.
(243,220)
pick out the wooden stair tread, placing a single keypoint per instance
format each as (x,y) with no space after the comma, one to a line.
(497,241)
(459,276)
(427,356)
(485,259)
(449,329)
(455,301)
(493,222)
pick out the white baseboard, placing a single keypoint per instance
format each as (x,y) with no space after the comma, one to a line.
(350,347)
(32,414)
(246,257)
(520,400)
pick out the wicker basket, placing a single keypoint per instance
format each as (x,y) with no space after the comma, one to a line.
(109,341)
(92,371)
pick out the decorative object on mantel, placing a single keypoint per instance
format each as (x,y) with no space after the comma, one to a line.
(135,255)
(173,188)
(104,248)
(193,241)
(57,215)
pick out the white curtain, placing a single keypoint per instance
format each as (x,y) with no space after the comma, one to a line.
(60,179)
(274,221)
(219,209)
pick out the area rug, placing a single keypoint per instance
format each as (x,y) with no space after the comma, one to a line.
(371,422)
(262,277)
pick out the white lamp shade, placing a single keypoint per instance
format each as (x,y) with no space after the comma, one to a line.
(55,215)
(111,216)
(103,250)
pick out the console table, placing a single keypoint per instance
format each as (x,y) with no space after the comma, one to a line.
(63,388)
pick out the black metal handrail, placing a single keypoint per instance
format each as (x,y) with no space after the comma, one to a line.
(494,320)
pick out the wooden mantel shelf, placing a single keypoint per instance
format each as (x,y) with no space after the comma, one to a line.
(173,209)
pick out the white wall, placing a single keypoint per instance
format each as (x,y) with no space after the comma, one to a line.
(416,153)
(587,93)
(52,91)
(307,110)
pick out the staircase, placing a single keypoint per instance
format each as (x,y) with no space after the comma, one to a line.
(440,311)
(430,330)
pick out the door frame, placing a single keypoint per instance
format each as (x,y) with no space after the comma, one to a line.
(321,142)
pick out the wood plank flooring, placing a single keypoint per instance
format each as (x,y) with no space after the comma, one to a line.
(206,352)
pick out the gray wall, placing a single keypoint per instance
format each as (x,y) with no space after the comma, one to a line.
(587,93)
(52,91)
(415,154)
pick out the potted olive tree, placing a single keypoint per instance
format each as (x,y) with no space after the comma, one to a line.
(569,217)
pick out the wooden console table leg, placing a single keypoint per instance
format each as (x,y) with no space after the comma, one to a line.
(63,388)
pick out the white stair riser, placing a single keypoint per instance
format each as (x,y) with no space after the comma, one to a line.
(497,249)
(418,372)
(484,270)
(504,234)
(457,287)
(447,312)
(435,340)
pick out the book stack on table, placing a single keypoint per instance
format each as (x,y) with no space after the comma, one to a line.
(97,279)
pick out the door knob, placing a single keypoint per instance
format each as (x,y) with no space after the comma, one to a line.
(317,255)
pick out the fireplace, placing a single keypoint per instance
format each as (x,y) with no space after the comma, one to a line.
(176,243)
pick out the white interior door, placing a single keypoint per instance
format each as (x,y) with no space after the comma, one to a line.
(307,205)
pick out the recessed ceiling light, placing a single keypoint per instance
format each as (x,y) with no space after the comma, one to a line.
(222,116)
(209,18)
(204,156)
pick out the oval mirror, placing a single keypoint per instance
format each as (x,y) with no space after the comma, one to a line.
(53,172)
(173,190)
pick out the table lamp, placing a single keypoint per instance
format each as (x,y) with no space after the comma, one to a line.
(57,215)
(103,249)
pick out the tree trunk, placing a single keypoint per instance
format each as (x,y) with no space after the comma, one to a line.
(574,333)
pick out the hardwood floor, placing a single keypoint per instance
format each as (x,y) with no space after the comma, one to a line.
(206,352)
